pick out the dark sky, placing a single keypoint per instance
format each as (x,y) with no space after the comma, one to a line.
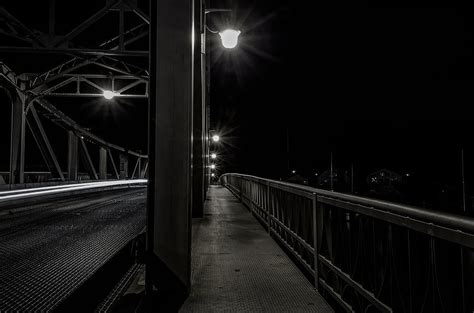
(379,87)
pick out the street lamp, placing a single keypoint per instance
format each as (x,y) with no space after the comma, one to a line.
(216,138)
(213,156)
(109,95)
(230,38)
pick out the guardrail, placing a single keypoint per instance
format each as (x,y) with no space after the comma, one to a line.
(365,254)
(23,197)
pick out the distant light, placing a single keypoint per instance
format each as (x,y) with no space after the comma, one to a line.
(82,137)
(315,174)
(109,95)
(293,171)
(213,175)
(230,38)
(213,166)
(213,156)
(216,138)
(407,174)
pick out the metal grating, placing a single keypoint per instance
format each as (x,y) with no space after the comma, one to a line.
(44,263)
(237,266)
(119,289)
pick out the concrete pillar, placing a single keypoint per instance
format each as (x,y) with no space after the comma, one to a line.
(199,152)
(123,167)
(17,143)
(72,156)
(170,149)
(102,163)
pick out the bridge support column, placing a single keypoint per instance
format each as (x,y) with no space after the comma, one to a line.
(170,154)
(17,143)
(199,152)
(72,154)
(102,163)
(123,166)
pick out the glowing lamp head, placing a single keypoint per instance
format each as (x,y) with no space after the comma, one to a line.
(213,175)
(213,166)
(213,156)
(109,95)
(216,138)
(230,38)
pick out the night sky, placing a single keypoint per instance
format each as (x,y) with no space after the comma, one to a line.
(379,87)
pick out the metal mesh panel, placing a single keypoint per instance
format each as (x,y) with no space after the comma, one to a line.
(41,264)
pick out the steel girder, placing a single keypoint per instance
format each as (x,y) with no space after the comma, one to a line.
(40,42)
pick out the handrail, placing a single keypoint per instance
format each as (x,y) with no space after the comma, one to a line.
(367,254)
(456,222)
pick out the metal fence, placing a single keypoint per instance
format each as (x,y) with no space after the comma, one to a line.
(364,254)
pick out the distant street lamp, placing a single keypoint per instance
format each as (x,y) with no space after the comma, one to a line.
(215,138)
(109,95)
(213,166)
(230,38)
(213,156)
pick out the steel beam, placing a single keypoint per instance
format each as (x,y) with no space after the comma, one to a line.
(84,51)
(84,25)
(137,169)
(170,142)
(72,154)
(66,122)
(111,158)
(87,161)
(43,143)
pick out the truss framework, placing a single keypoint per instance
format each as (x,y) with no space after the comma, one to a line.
(86,72)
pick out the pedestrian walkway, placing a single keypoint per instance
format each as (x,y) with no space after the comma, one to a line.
(238,267)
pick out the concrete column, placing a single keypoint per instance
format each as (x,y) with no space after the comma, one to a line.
(199,152)
(102,163)
(123,170)
(170,149)
(17,143)
(72,154)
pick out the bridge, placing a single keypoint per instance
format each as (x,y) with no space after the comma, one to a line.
(90,223)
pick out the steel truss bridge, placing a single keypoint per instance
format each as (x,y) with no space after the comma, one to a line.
(363,255)
(118,62)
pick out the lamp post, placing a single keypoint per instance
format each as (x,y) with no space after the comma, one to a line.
(201,103)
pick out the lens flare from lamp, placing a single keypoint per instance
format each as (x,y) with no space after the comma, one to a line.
(109,95)
(230,38)
(216,138)
(213,156)
(213,166)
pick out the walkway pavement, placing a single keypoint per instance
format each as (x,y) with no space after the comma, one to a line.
(238,267)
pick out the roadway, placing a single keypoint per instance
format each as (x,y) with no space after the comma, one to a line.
(48,251)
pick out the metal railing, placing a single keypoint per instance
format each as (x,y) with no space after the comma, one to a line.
(367,255)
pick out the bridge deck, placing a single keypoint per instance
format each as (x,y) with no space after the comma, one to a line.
(237,267)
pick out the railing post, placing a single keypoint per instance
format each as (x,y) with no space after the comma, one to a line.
(269,214)
(315,241)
